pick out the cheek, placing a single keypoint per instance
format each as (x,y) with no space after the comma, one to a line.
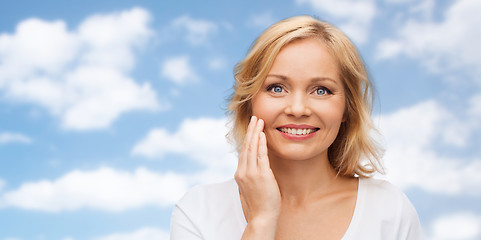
(262,108)
(331,112)
(339,112)
(339,117)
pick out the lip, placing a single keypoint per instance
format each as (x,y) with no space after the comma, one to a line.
(297,126)
(296,137)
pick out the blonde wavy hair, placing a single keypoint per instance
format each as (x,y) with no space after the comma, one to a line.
(353,152)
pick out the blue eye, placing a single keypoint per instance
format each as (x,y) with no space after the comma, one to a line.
(321,91)
(277,89)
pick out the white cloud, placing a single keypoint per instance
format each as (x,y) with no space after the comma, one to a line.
(455,226)
(475,106)
(110,44)
(36,45)
(8,137)
(81,76)
(418,134)
(202,140)
(147,233)
(197,31)
(355,16)
(450,44)
(109,94)
(179,70)
(424,120)
(425,8)
(389,48)
(104,189)
(411,159)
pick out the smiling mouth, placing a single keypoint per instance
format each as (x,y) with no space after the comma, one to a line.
(298,131)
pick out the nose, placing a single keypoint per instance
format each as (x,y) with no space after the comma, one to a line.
(298,106)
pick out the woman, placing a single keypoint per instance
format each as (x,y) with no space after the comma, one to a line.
(301,114)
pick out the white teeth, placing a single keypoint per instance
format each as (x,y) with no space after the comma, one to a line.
(297,131)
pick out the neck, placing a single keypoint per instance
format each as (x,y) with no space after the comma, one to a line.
(300,180)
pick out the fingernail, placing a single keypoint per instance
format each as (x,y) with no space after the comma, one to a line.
(253,118)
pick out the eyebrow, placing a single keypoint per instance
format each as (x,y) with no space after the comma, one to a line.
(316,79)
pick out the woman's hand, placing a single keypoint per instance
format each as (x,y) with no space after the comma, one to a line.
(258,187)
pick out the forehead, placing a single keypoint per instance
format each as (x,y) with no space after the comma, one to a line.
(306,59)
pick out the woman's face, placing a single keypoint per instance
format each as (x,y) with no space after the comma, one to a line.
(302,101)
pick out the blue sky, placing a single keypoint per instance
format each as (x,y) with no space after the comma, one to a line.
(111,110)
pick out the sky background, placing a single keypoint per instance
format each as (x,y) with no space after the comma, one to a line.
(111,110)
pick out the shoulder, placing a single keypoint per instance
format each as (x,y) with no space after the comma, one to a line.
(209,199)
(382,189)
(387,204)
(208,192)
(210,211)
(382,194)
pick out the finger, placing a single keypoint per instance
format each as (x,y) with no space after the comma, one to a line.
(263,159)
(253,146)
(242,163)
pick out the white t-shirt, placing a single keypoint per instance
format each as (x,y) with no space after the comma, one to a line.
(214,211)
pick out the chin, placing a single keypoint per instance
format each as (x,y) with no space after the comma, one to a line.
(297,154)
